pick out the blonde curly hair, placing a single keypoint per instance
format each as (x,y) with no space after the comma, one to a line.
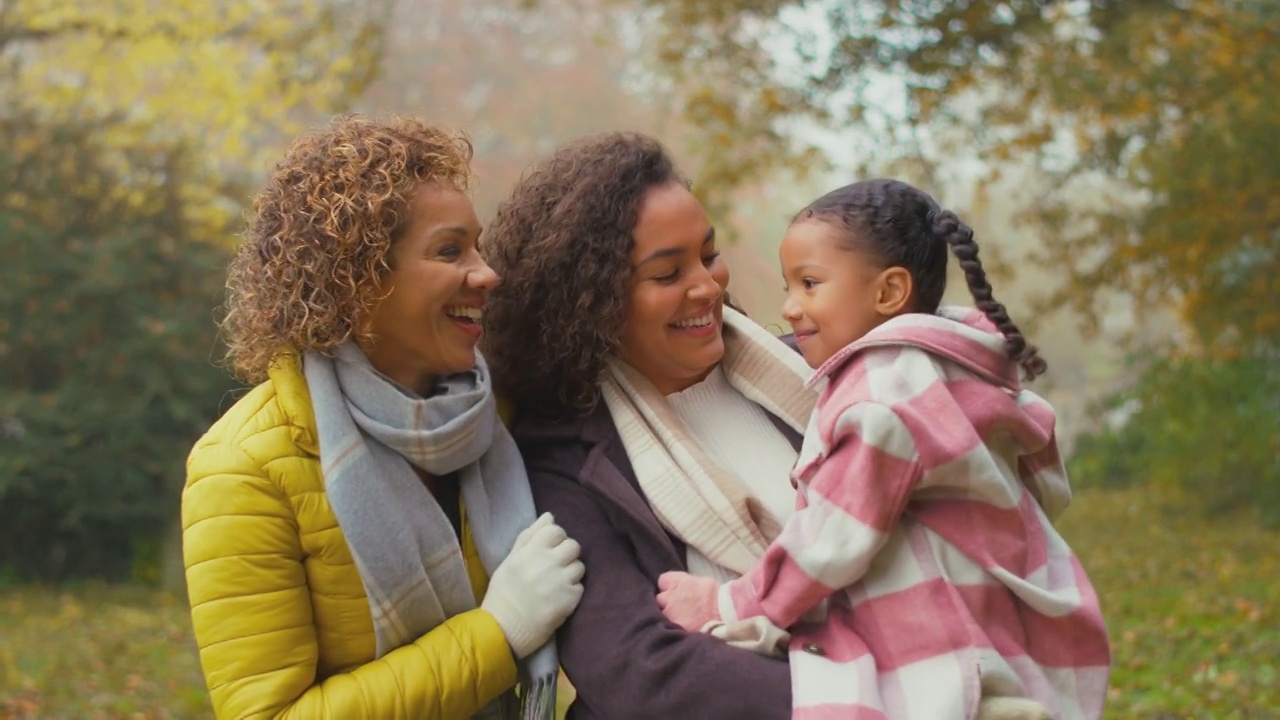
(316,248)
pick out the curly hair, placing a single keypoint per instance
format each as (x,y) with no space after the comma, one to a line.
(316,247)
(562,244)
(903,226)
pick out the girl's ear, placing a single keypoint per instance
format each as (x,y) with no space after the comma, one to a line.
(893,291)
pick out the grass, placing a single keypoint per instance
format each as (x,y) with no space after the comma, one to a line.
(1192,606)
(97,652)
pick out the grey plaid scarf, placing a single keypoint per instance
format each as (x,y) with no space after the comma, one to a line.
(409,558)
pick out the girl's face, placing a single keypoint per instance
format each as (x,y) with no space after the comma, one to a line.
(673,334)
(427,323)
(835,294)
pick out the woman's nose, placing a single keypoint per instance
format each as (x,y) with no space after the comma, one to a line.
(482,277)
(706,287)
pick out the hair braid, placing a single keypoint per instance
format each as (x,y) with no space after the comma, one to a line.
(959,237)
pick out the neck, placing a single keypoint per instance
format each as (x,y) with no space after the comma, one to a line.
(421,384)
(404,373)
(670,386)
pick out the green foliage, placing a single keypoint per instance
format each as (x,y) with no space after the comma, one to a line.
(98,652)
(1150,124)
(127,130)
(105,379)
(225,78)
(1192,604)
(1192,607)
(1168,100)
(1204,426)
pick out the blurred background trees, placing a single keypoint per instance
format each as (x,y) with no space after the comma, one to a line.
(106,299)
(130,135)
(1139,140)
(1118,158)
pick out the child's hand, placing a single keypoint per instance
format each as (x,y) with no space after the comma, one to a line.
(688,601)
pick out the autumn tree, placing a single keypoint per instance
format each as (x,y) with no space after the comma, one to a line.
(1165,104)
(105,379)
(129,133)
(230,80)
(1149,127)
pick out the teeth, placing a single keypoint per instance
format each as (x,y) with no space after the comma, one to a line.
(696,322)
(473,314)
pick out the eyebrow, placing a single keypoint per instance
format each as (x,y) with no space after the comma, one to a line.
(668,252)
(451,230)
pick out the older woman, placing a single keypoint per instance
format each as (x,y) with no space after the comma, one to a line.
(657,423)
(358,532)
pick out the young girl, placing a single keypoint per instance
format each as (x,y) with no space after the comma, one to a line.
(928,480)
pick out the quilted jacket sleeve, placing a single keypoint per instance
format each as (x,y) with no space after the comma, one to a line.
(251,608)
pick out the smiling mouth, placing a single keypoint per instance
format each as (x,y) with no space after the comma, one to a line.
(465,314)
(696,322)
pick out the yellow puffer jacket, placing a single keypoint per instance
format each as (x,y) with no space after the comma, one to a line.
(280,614)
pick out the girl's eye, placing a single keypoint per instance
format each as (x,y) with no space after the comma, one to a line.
(809,283)
(709,260)
(669,277)
(450,252)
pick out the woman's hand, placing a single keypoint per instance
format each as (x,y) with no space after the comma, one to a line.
(536,587)
(688,601)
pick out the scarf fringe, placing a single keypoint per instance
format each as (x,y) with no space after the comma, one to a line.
(538,700)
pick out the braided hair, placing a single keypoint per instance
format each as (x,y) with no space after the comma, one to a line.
(904,227)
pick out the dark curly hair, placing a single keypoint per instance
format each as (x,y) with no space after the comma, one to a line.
(562,244)
(315,251)
(903,226)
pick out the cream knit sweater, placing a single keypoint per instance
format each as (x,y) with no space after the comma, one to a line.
(739,437)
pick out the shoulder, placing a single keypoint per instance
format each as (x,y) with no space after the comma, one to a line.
(872,422)
(256,410)
(872,396)
(253,465)
(891,375)
(560,445)
(585,451)
(274,420)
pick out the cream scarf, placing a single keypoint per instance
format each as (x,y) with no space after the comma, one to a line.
(692,496)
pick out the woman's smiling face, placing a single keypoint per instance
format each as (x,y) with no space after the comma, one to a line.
(674,327)
(428,321)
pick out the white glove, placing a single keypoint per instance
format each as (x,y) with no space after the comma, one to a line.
(536,587)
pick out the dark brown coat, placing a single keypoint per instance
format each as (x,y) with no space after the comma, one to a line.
(623,657)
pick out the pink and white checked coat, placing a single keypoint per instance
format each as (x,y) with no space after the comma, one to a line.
(927,484)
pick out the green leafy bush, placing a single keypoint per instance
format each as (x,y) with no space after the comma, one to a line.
(105,343)
(1210,427)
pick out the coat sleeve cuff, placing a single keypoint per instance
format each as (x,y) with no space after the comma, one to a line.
(724,603)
